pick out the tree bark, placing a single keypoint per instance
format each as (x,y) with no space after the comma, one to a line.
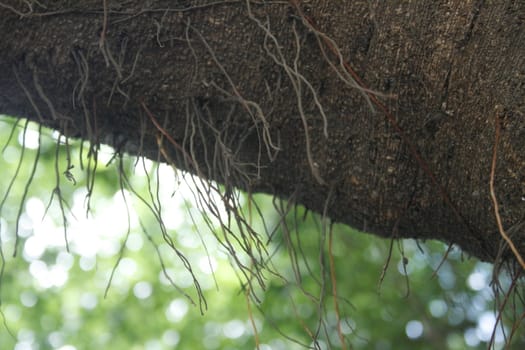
(382,115)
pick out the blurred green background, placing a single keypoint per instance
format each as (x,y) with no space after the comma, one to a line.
(117,284)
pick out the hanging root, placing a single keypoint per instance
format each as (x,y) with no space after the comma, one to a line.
(297,80)
(252,108)
(211,148)
(501,230)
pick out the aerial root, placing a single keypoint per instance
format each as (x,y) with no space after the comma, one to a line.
(208,195)
(511,294)
(501,230)
(29,11)
(63,121)
(90,124)
(253,109)
(298,80)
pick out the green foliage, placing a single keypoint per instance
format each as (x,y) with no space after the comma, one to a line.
(112,281)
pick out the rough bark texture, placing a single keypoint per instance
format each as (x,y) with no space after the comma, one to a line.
(255,96)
